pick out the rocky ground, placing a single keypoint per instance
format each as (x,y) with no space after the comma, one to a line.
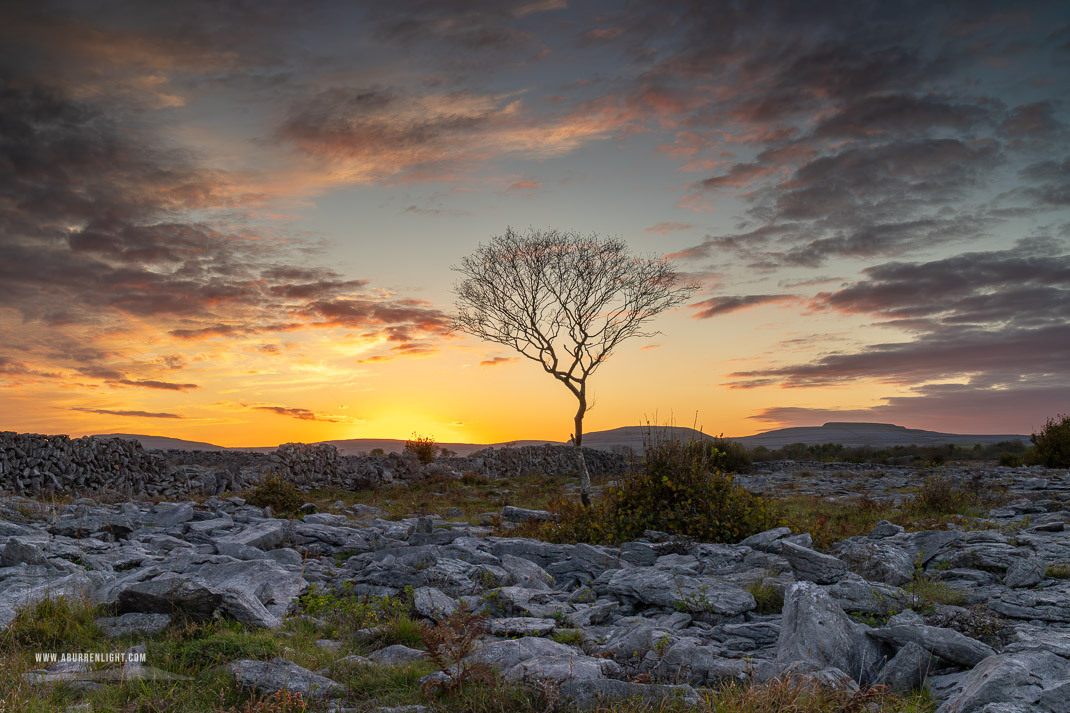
(978,615)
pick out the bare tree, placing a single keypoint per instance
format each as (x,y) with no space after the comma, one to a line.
(565,301)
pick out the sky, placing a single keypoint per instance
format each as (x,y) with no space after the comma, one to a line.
(235,222)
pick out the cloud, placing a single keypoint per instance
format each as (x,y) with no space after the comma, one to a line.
(495,361)
(1008,355)
(302,414)
(985,288)
(716,306)
(363,134)
(136,414)
(900,115)
(1031,121)
(99,237)
(524,185)
(669,226)
(954,408)
(150,384)
(11,368)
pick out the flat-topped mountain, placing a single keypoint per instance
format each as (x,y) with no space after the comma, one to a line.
(877,435)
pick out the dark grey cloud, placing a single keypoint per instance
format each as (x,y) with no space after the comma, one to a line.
(717,306)
(1008,355)
(302,414)
(875,132)
(900,115)
(999,316)
(977,289)
(136,414)
(955,408)
(151,384)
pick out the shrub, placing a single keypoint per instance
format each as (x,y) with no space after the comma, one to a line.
(423,448)
(1051,447)
(677,489)
(729,456)
(277,493)
(449,643)
(1011,460)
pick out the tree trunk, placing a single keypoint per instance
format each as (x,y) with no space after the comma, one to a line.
(585,476)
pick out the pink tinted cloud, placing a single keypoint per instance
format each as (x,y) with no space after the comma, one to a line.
(669,226)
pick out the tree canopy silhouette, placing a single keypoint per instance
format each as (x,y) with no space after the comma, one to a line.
(565,301)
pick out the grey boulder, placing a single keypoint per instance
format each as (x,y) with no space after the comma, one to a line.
(1026,572)
(168,594)
(662,588)
(812,566)
(267,677)
(817,633)
(948,644)
(1038,679)
(908,669)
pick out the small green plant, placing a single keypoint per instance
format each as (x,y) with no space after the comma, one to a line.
(770,600)
(568,637)
(277,493)
(422,447)
(1051,447)
(661,646)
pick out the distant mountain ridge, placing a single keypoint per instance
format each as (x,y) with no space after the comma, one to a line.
(851,434)
(881,435)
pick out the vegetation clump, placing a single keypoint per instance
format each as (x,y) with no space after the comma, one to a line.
(449,643)
(729,456)
(275,492)
(348,615)
(1051,447)
(677,489)
(1010,460)
(422,447)
(769,599)
(55,624)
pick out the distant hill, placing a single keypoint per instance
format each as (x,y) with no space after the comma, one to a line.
(163,443)
(352,446)
(878,435)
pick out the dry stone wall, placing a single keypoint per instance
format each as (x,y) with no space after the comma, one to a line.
(32,463)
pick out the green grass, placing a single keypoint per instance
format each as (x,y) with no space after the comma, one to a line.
(769,599)
(198,647)
(931,506)
(473,495)
(1058,571)
(927,593)
(568,637)
(56,625)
